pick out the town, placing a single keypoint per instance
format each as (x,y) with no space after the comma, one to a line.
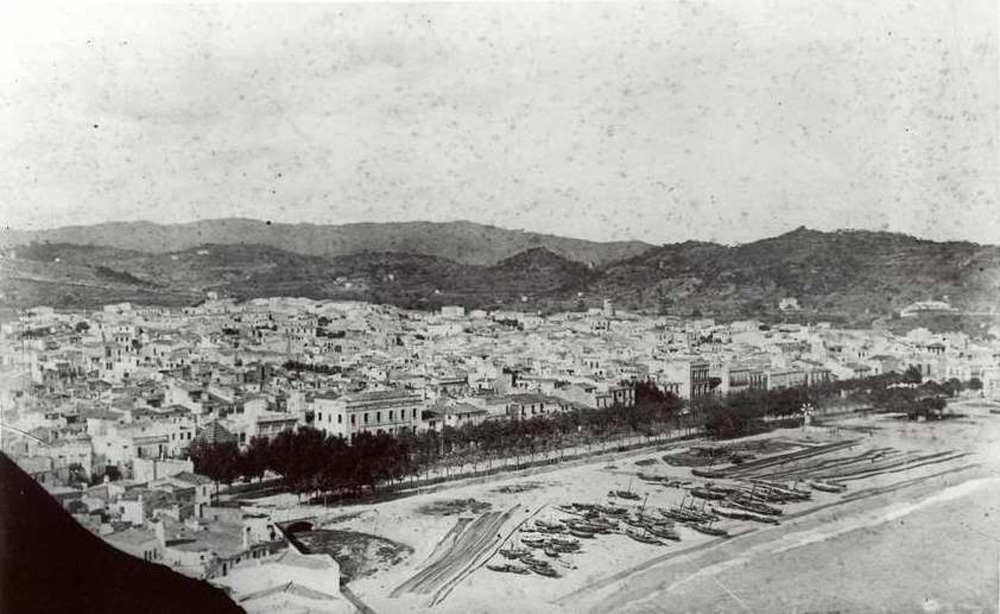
(118,412)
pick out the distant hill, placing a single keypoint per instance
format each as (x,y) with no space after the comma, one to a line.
(848,272)
(464,242)
(65,275)
(854,275)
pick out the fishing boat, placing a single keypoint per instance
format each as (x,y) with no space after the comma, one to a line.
(564,540)
(514,553)
(565,564)
(531,561)
(548,524)
(561,548)
(708,493)
(706,473)
(503,567)
(533,540)
(827,486)
(551,552)
(643,537)
(545,570)
(708,529)
(579,532)
(652,479)
(741,514)
(752,505)
(518,569)
(550,530)
(611,510)
(782,490)
(628,494)
(598,525)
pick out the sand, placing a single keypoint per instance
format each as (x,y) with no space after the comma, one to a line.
(916,539)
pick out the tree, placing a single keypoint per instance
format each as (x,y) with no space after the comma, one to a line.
(975,384)
(912,375)
(220,461)
(253,460)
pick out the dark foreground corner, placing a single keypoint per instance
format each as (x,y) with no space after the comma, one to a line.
(49,563)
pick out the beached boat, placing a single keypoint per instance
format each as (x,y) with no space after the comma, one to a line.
(742,514)
(562,548)
(579,532)
(530,560)
(708,529)
(508,568)
(641,536)
(628,494)
(564,539)
(550,530)
(752,505)
(501,567)
(514,553)
(827,486)
(782,490)
(706,473)
(534,540)
(708,493)
(545,570)
(551,552)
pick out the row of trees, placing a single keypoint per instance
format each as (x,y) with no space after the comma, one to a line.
(309,461)
(750,411)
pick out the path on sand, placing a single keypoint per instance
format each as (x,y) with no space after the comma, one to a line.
(471,541)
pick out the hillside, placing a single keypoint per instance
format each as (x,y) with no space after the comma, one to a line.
(463,242)
(66,275)
(854,275)
(846,272)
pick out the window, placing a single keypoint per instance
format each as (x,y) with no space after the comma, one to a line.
(352,418)
(366,417)
(390,415)
(414,413)
(340,418)
(378,416)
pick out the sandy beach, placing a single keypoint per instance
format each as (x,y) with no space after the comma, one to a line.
(918,535)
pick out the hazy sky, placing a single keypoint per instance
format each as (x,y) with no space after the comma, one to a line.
(710,120)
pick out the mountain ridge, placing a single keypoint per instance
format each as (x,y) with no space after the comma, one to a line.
(855,273)
(462,241)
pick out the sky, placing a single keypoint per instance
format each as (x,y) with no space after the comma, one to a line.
(720,120)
